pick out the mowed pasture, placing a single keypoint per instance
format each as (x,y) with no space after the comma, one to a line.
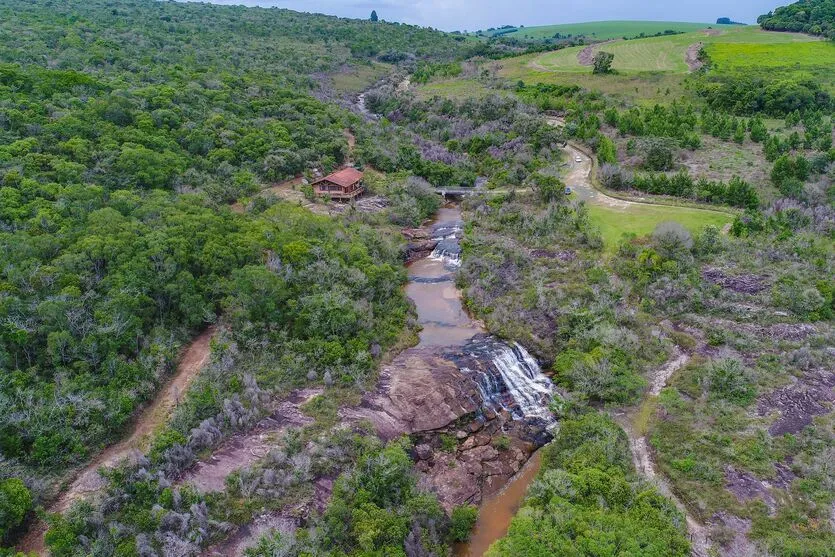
(604,30)
(792,58)
(641,219)
(663,54)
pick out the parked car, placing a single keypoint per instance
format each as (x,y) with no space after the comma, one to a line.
(567,190)
(578,159)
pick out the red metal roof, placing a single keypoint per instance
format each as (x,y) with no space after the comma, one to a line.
(345,177)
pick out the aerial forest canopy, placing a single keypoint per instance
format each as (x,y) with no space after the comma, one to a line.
(125,129)
(816,17)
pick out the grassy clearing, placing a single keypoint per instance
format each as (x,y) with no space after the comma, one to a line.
(604,30)
(640,89)
(454,89)
(641,219)
(653,70)
(357,79)
(809,60)
(666,54)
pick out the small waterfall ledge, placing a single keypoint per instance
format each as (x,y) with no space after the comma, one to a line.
(448,250)
(508,378)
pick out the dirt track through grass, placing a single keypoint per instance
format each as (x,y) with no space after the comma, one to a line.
(643,461)
(616,217)
(88,480)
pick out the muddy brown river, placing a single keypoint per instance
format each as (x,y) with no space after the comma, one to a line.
(446,323)
(431,286)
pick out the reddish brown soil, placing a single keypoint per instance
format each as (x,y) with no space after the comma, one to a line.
(88,480)
(245,449)
(586,56)
(692,57)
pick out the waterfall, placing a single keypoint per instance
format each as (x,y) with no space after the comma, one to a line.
(508,378)
(448,250)
(528,386)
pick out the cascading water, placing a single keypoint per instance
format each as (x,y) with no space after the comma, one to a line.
(448,250)
(509,378)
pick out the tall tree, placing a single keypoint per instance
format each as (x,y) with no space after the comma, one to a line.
(374,15)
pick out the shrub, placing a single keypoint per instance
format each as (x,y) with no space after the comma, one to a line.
(502,442)
(462,520)
(603,62)
(672,241)
(658,157)
(15,502)
(729,380)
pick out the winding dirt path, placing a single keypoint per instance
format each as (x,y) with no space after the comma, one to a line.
(692,57)
(586,56)
(579,179)
(579,175)
(88,480)
(642,456)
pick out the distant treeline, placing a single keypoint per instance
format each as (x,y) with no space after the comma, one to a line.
(816,17)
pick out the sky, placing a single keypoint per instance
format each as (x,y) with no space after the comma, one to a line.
(471,15)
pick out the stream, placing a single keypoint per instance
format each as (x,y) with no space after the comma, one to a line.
(508,377)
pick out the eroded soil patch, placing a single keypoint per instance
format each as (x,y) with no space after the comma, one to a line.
(244,450)
(691,57)
(798,404)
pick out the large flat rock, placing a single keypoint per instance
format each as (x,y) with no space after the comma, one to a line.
(421,390)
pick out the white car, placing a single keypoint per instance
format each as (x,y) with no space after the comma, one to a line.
(578,159)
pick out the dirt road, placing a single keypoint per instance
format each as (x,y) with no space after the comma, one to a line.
(578,179)
(691,57)
(642,457)
(88,481)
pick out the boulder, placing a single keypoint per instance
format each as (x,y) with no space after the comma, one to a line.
(419,391)
(424,451)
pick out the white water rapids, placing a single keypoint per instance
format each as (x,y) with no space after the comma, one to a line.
(508,377)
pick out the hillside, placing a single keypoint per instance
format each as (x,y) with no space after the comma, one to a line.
(124,133)
(596,289)
(605,30)
(816,17)
(731,425)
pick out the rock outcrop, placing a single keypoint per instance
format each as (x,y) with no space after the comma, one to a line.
(420,390)
(464,449)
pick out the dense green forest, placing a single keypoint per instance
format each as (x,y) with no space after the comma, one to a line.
(125,129)
(587,500)
(816,17)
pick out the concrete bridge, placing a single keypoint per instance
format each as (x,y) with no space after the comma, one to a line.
(453,193)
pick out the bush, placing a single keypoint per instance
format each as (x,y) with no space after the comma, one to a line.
(658,157)
(502,442)
(729,381)
(603,62)
(463,519)
(15,502)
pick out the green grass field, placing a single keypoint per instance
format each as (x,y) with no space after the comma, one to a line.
(642,219)
(604,30)
(653,70)
(796,60)
(666,54)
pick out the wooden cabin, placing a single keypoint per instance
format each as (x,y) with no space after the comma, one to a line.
(343,185)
